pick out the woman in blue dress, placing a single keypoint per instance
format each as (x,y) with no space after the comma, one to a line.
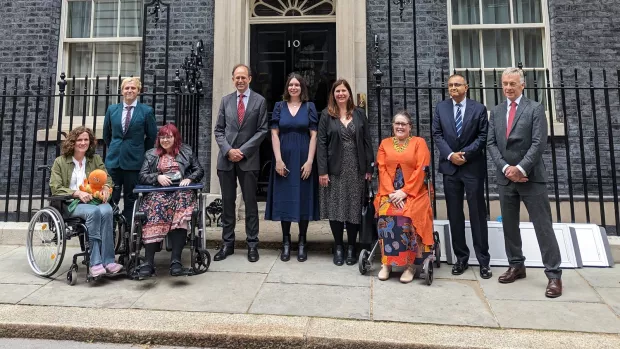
(292,194)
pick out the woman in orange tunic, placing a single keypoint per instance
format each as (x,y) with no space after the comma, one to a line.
(405,223)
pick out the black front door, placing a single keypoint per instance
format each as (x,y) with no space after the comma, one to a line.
(277,50)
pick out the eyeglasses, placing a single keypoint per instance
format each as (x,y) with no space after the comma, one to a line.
(401,124)
(166,137)
(456,84)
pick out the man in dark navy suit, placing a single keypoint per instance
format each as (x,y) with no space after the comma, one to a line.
(460,132)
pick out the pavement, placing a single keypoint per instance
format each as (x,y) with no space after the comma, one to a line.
(315,304)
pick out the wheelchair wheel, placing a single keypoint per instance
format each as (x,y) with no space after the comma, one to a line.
(363,262)
(202,261)
(72,276)
(119,233)
(45,243)
(437,249)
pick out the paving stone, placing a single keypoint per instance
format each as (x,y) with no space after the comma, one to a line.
(238,262)
(14,269)
(214,292)
(13,293)
(319,269)
(611,296)
(601,277)
(445,272)
(313,300)
(417,302)
(532,288)
(109,292)
(583,317)
(6,249)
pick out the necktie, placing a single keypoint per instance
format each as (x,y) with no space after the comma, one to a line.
(511,117)
(127,118)
(459,120)
(240,109)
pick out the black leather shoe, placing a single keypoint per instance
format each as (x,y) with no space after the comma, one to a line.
(176,268)
(351,255)
(339,255)
(253,254)
(485,272)
(302,252)
(224,252)
(286,248)
(459,268)
(146,270)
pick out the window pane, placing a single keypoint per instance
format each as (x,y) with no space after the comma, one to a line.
(496,48)
(466,48)
(529,47)
(535,81)
(80,60)
(473,80)
(101,104)
(131,18)
(495,11)
(106,59)
(106,18)
(493,88)
(75,100)
(130,58)
(527,11)
(78,19)
(465,12)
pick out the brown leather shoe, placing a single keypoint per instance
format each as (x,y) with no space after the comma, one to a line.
(511,275)
(554,288)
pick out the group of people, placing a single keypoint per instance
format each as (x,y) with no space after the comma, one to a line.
(321,163)
(137,153)
(320,168)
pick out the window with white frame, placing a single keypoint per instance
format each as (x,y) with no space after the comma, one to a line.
(99,38)
(491,35)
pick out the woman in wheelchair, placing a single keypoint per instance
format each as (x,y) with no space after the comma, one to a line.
(405,216)
(168,213)
(77,161)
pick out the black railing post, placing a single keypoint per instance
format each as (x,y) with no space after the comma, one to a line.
(569,173)
(553,155)
(22,149)
(95,104)
(85,101)
(4,95)
(10,167)
(33,155)
(597,155)
(177,94)
(48,119)
(584,176)
(72,104)
(430,118)
(612,156)
(62,84)
(378,74)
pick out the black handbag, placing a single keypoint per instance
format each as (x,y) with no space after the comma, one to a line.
(174,177)
(368,229)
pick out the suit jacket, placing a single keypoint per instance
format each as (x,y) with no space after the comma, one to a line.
(127,150)
(329,145)
(526,143)
(472,141)
(246,137)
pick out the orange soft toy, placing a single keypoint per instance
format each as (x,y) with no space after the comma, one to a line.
(94,184)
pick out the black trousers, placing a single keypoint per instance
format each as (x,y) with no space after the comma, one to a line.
(536,200)
(228,185)
(454,187)
(125,180)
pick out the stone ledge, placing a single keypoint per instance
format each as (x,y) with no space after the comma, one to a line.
(268,331)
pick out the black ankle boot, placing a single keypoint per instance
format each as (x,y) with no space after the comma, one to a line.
(339,255)
(286,248)
(351,255)
(302,253)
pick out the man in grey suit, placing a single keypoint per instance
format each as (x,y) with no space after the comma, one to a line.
(240,129)
(516,140)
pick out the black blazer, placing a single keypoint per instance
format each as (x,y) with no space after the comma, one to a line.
(472,141)
(329,147)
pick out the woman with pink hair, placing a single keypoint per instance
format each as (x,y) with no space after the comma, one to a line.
(168,212)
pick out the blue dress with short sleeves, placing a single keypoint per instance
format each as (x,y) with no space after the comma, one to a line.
(290,198)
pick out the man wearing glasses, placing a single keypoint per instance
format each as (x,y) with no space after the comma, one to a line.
(460,132)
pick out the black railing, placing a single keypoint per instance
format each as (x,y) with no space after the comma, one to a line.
(583,113)
(34,118)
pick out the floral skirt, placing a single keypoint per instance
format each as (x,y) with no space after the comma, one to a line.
(166,211)
(400,245)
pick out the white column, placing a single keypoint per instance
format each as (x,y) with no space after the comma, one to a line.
(345,41)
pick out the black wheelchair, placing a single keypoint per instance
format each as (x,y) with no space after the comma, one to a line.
(200,258)
(50,229)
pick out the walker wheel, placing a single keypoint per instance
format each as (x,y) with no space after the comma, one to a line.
(437,249)
(428,276)
(363,262)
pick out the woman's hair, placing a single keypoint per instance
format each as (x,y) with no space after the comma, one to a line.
(135,80)
(166,130)
(302,84)
(332,106)
(404,114)
(68,145)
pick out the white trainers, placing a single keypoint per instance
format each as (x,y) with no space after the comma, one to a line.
(407,275)
(384,274)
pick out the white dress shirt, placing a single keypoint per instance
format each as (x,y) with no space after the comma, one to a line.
(518,100)
(454,109)
(133,110)
(78,175)
(246,98)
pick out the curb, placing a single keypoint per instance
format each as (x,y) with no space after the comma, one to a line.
(176,328)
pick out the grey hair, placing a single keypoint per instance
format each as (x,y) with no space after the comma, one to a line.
(402,113)
(515,71)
